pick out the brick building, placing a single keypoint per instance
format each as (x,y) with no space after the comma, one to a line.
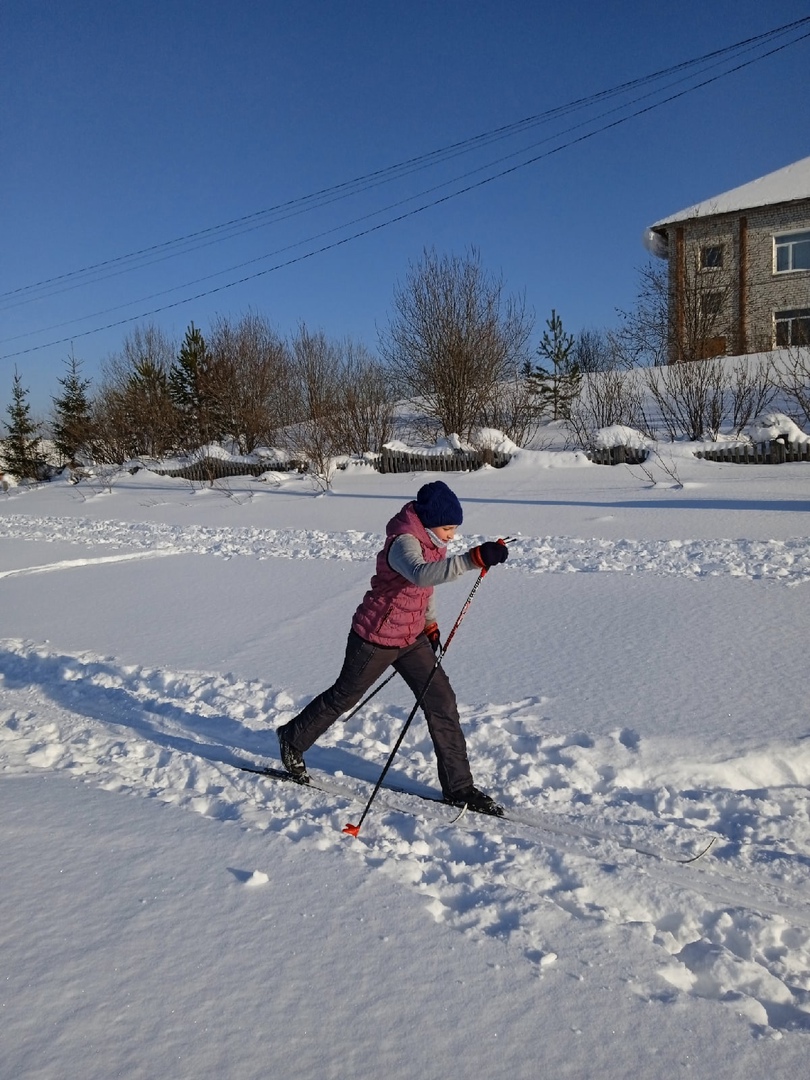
(739,268)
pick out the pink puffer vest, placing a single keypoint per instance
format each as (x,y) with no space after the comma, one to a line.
(392,613)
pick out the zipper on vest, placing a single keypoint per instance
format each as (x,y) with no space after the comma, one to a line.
(386,617)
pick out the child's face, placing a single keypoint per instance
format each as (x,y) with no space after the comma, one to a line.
(445,532)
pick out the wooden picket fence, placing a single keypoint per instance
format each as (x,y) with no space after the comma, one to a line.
(775,452)
(618,455)
(210,469)
(401,461)
(390,461)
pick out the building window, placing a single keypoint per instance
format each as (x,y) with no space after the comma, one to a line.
(792,252)
(711,303)
(792,327)
(711,257)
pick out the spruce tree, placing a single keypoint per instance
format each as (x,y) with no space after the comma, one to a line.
(555,388)
(187,370)
(194,390)
(20,451)
(150,413)
(72,421)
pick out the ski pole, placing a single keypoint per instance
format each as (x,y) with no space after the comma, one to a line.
(354,830)
(368,697)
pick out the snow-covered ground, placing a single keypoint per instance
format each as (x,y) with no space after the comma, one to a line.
(633,684)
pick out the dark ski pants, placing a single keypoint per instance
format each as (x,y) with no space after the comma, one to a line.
(363,664)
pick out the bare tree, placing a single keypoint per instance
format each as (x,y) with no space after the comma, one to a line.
(512,410)
(452,338)
(595,350)
(114,425)
(687,321)
(610,392)
(133,412)
(607,398)
(255,373)
(365,416)
(698,399)
(317,389)
(642,339)
(691,398)
(752,391)
(794,381)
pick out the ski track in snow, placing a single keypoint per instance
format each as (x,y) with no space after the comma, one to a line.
(734,927)
(68,564)
(787,561)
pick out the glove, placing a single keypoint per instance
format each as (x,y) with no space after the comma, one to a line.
(433,636)
(489,554)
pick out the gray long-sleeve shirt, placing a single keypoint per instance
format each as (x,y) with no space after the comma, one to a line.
(405,557)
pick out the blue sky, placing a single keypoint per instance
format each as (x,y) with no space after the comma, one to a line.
(125,126)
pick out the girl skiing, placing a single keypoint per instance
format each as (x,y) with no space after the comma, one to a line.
(395,624)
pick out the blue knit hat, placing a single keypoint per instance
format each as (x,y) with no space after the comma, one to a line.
(437,505)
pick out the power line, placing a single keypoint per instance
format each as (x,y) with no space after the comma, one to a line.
(427,205)
(359,219)
(282,211)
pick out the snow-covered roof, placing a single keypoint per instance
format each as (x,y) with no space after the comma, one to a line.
(785,185)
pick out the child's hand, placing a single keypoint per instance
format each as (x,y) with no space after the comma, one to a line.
(433,636)
(489,554)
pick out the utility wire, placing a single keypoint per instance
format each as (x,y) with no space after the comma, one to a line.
(364,217)
(412,212)
(262,218)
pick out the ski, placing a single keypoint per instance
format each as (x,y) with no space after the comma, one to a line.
(315,783)
(331,788)
(546,823)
